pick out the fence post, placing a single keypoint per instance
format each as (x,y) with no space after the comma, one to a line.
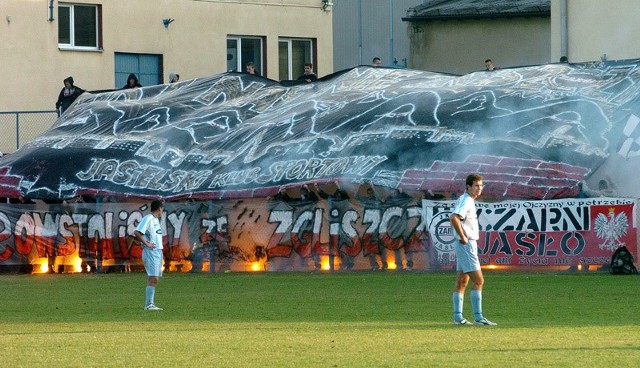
(17,130)
(331,254)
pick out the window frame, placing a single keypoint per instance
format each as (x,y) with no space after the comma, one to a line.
(98,29)
(312,57)
(240,64)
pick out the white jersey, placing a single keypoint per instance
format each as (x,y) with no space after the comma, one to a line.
(150,227)
(466,208)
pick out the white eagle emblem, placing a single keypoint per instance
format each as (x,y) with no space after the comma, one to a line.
(611,229)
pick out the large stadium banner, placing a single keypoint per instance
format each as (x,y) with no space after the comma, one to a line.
(536,132)
(570,232)
(327,234)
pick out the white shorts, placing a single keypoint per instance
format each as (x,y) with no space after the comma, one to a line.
(467,256)
(152,259)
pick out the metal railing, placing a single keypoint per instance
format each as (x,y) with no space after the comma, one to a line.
(18,127)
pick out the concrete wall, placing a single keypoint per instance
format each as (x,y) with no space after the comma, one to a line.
(193,45)
(361,31)
(595,28)
(462,46)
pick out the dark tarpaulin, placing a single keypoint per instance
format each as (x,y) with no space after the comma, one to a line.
(532,132)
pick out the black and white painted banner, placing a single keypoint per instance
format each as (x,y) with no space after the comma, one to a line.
(533,132)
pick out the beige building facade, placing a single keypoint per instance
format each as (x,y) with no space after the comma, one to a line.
(589,30)
(462,46)
(582,30)
(99,42)
(457,36)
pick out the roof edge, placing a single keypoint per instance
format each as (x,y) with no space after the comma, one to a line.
(540,14)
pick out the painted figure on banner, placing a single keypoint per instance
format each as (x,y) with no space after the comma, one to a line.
(371,244)
(393,236)
(347,244)
(296,244)
(306,242)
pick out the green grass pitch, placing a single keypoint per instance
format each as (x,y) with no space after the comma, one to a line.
(358,319)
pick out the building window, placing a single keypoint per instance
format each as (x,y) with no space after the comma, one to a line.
(79,26)
(293,54)
(241,50)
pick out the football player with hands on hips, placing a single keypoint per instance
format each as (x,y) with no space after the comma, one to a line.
(464,221)
(149,233)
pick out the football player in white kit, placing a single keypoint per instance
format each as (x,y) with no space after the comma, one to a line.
(464,221)
(149,233)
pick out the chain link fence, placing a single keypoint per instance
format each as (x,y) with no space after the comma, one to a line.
(19,127)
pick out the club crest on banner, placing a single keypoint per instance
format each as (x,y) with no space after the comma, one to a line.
(442,231)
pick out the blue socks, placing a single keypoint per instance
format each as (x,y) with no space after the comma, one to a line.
(476,303)
(458,299)
(150,294)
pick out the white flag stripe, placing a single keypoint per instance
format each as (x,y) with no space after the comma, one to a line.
(631,125)
(626,146)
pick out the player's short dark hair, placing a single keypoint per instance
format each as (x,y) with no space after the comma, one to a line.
(155,205)
(472,178)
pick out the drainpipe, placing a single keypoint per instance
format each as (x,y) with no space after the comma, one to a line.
(359,32)
(51,18)
(391,57)
(564,30)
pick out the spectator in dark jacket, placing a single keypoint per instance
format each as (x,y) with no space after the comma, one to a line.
(308,76)
(132,82)
(67,95)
